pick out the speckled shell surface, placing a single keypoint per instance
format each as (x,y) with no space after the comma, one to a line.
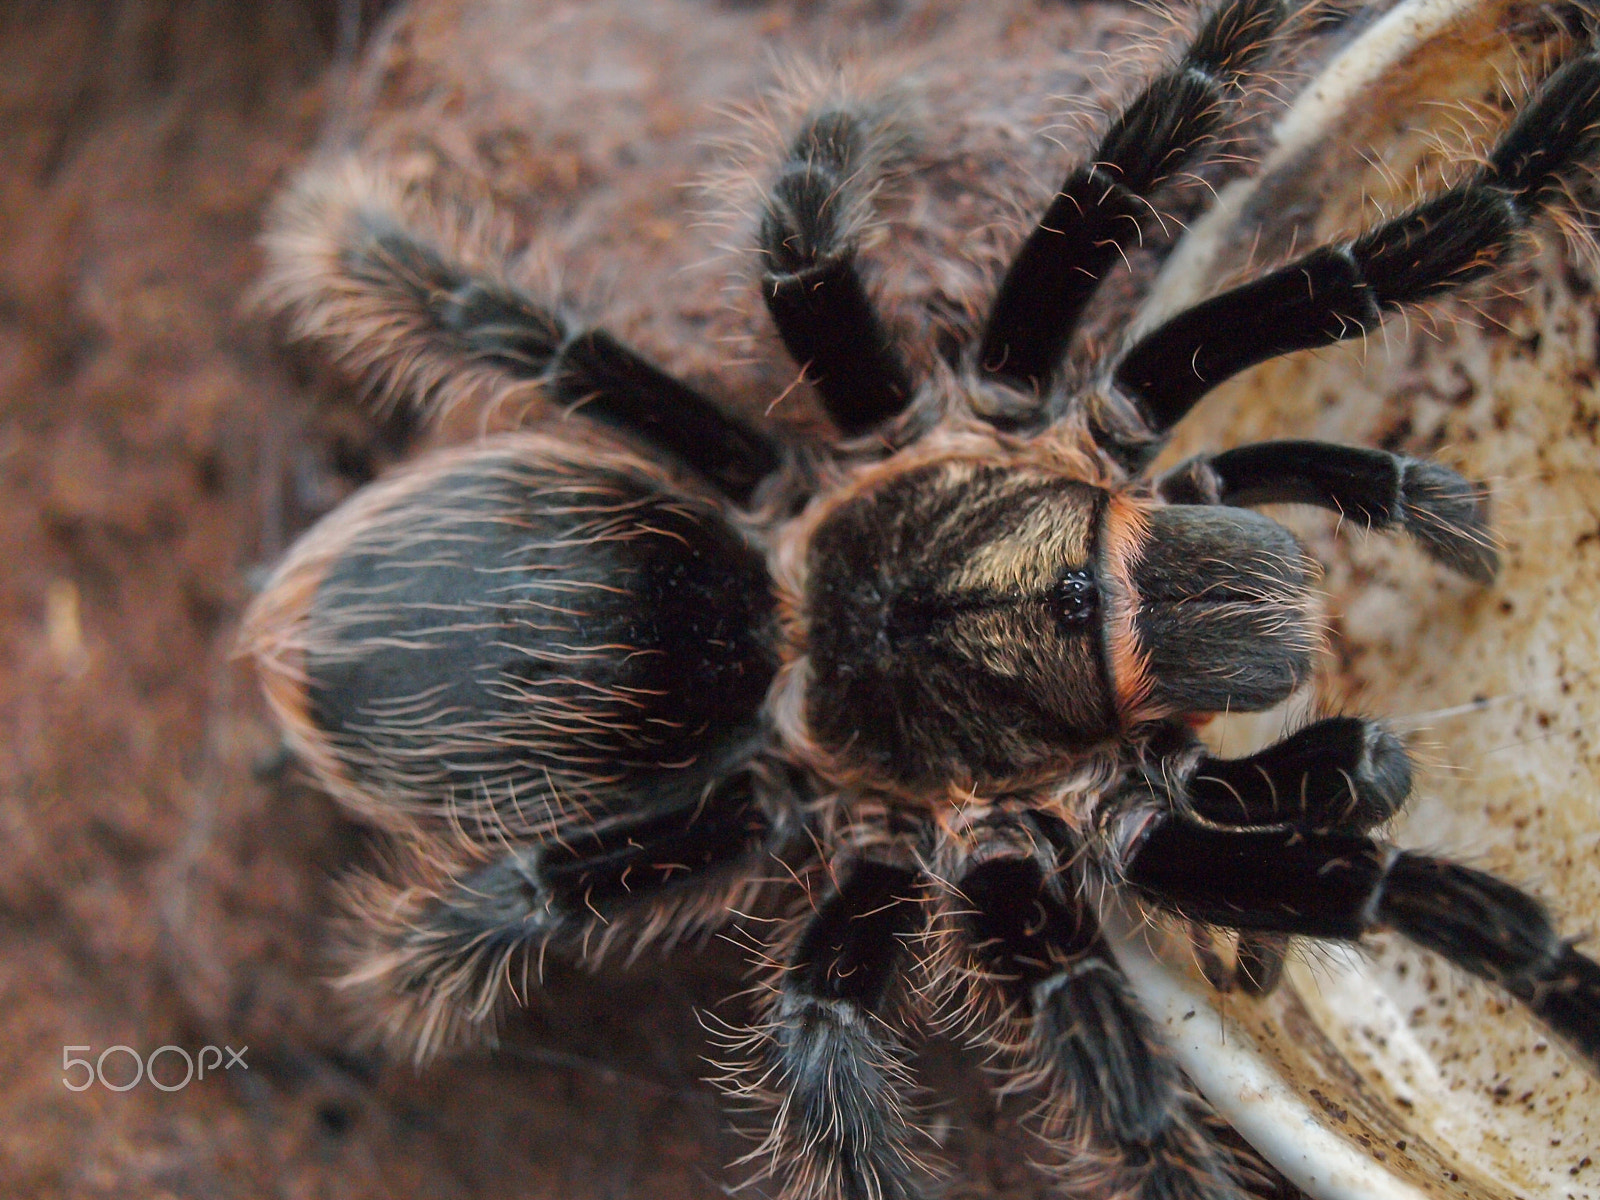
(1378,1073)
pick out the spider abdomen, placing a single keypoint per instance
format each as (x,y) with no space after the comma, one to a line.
(530,627)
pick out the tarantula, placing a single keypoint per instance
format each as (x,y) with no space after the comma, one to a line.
(621,678)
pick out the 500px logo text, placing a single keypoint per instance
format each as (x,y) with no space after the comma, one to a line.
(80,1074)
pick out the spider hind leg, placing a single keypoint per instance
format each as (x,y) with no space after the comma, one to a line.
(403,300)
(825,1060)
(435,941)
(1115,1107)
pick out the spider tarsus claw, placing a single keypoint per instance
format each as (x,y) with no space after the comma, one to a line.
(1258,965)
(1499,933)
(1570,1004)
(1382,778)
(1448,516)
(1235,36)
(1558,132)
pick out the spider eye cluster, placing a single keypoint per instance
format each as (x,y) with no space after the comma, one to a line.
(1078,598)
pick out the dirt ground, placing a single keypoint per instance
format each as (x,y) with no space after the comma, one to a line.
(165,878)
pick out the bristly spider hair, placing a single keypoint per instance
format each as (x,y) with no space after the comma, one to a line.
(614,680)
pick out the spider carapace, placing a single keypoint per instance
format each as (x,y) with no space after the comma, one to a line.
(616,678)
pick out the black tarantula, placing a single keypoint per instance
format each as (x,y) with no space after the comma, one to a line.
(620,679)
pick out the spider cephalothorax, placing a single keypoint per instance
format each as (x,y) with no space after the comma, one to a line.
(983,615)
(616,680)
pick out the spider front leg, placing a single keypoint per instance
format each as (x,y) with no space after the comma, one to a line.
(1047,990)
(813,285)
(827,1061)
(1344,773)
(1342,885)
(1446,514)
(1345,290)
(1104,206)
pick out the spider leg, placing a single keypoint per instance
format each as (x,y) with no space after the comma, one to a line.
(1259,961)
(1116,1105)
(435,944)
(1102,207)
(812,286)
(1342,885)
(1343,290)
(833,1070)
(1447,514)
(1343,773)
(396,302)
